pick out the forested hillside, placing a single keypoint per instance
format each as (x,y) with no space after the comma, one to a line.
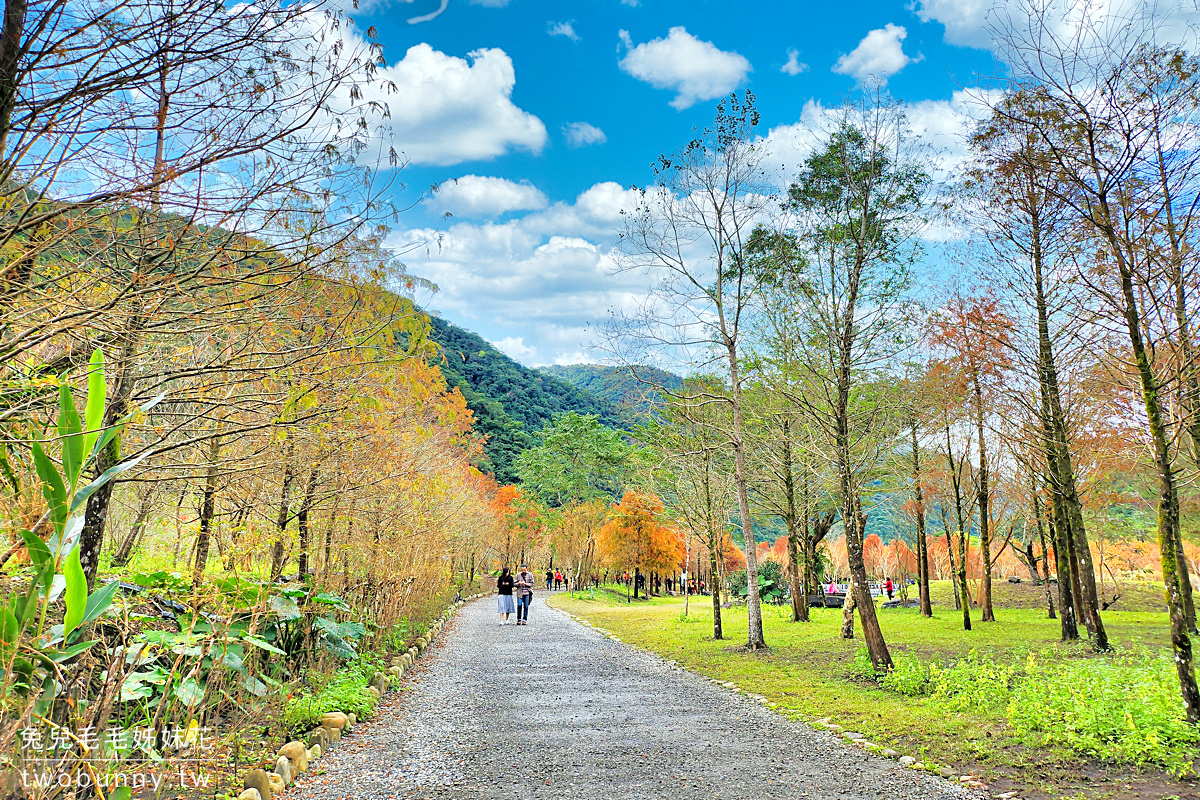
(616,386)
(510,401)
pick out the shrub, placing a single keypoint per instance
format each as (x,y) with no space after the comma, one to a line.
(345,690)
(1123,707)
(909,675)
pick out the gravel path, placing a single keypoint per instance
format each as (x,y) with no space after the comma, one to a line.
(556,710)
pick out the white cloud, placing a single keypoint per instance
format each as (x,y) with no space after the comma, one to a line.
(546,274)
(581,134)
(879,55)
(604,202)
(965,20)
(563,29)
(693,69)
(479,196)
(446,110)
(417,20)
(515,347)
(794,65)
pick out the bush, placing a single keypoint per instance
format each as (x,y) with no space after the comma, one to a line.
(346,691)
(1124,707)
(909,675)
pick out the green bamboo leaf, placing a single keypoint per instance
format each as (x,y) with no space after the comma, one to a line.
(94,411)
(76,592)
(70,429)
(72,651)
(9,627)
(39,553)
(83,494)
(121,793)
(52,486)
(98,601)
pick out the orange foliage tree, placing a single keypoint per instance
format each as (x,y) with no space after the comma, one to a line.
(637,535)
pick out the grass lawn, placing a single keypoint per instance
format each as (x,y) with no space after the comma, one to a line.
(810,673)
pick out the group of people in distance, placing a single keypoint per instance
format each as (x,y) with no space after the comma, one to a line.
(558,579)
(515,594)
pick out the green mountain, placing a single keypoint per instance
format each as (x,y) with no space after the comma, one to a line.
(511,402)
(616,386)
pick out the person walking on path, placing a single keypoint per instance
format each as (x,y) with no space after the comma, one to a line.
(557,580)
(524,588)
(566,582)
(889,587)
(504,595)
(549,579)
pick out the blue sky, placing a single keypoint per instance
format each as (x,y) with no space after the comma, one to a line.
(535,116)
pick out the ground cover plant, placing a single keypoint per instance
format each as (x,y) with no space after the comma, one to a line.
(1010,702)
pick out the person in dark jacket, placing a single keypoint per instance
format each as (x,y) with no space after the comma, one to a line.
(504,595)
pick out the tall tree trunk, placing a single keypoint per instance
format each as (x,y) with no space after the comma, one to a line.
(795,550)
(145,506)
(1168,497)
(983,499)
(922,548)
(208,507)
(964,592)
(754,627)
(95,515)
(716,541)
(1041,529)
(310,489)
(285,510)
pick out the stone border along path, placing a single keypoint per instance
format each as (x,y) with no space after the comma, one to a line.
(561,710)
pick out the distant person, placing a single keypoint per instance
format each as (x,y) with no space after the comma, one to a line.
(504,595)
(524,590)
(549,579)
(557,580)
(889,588)
(669,582)
(832,588)
(566,582)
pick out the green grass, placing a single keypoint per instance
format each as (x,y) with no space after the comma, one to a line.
(811,673)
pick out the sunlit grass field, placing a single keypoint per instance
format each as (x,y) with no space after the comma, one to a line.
(810,673)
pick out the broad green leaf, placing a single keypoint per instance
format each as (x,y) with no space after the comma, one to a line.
(83,494)
(115,429)
(94,410)
(76,592)
(286,608)
(52,486)
(72,651)
(133,689)
(263,644)
(254,686)
(121,793)
(72,439)
(190,692)
(98,601)
(39,553)
(9,627)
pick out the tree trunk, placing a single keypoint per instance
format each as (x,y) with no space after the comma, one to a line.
(795,551)
(754,626)
(125,550)
(1041,529)
(277,550)
(922,546)
(1168,498)
(964,592)
(306,505)
(207,512)
(983,499)
(95,515)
